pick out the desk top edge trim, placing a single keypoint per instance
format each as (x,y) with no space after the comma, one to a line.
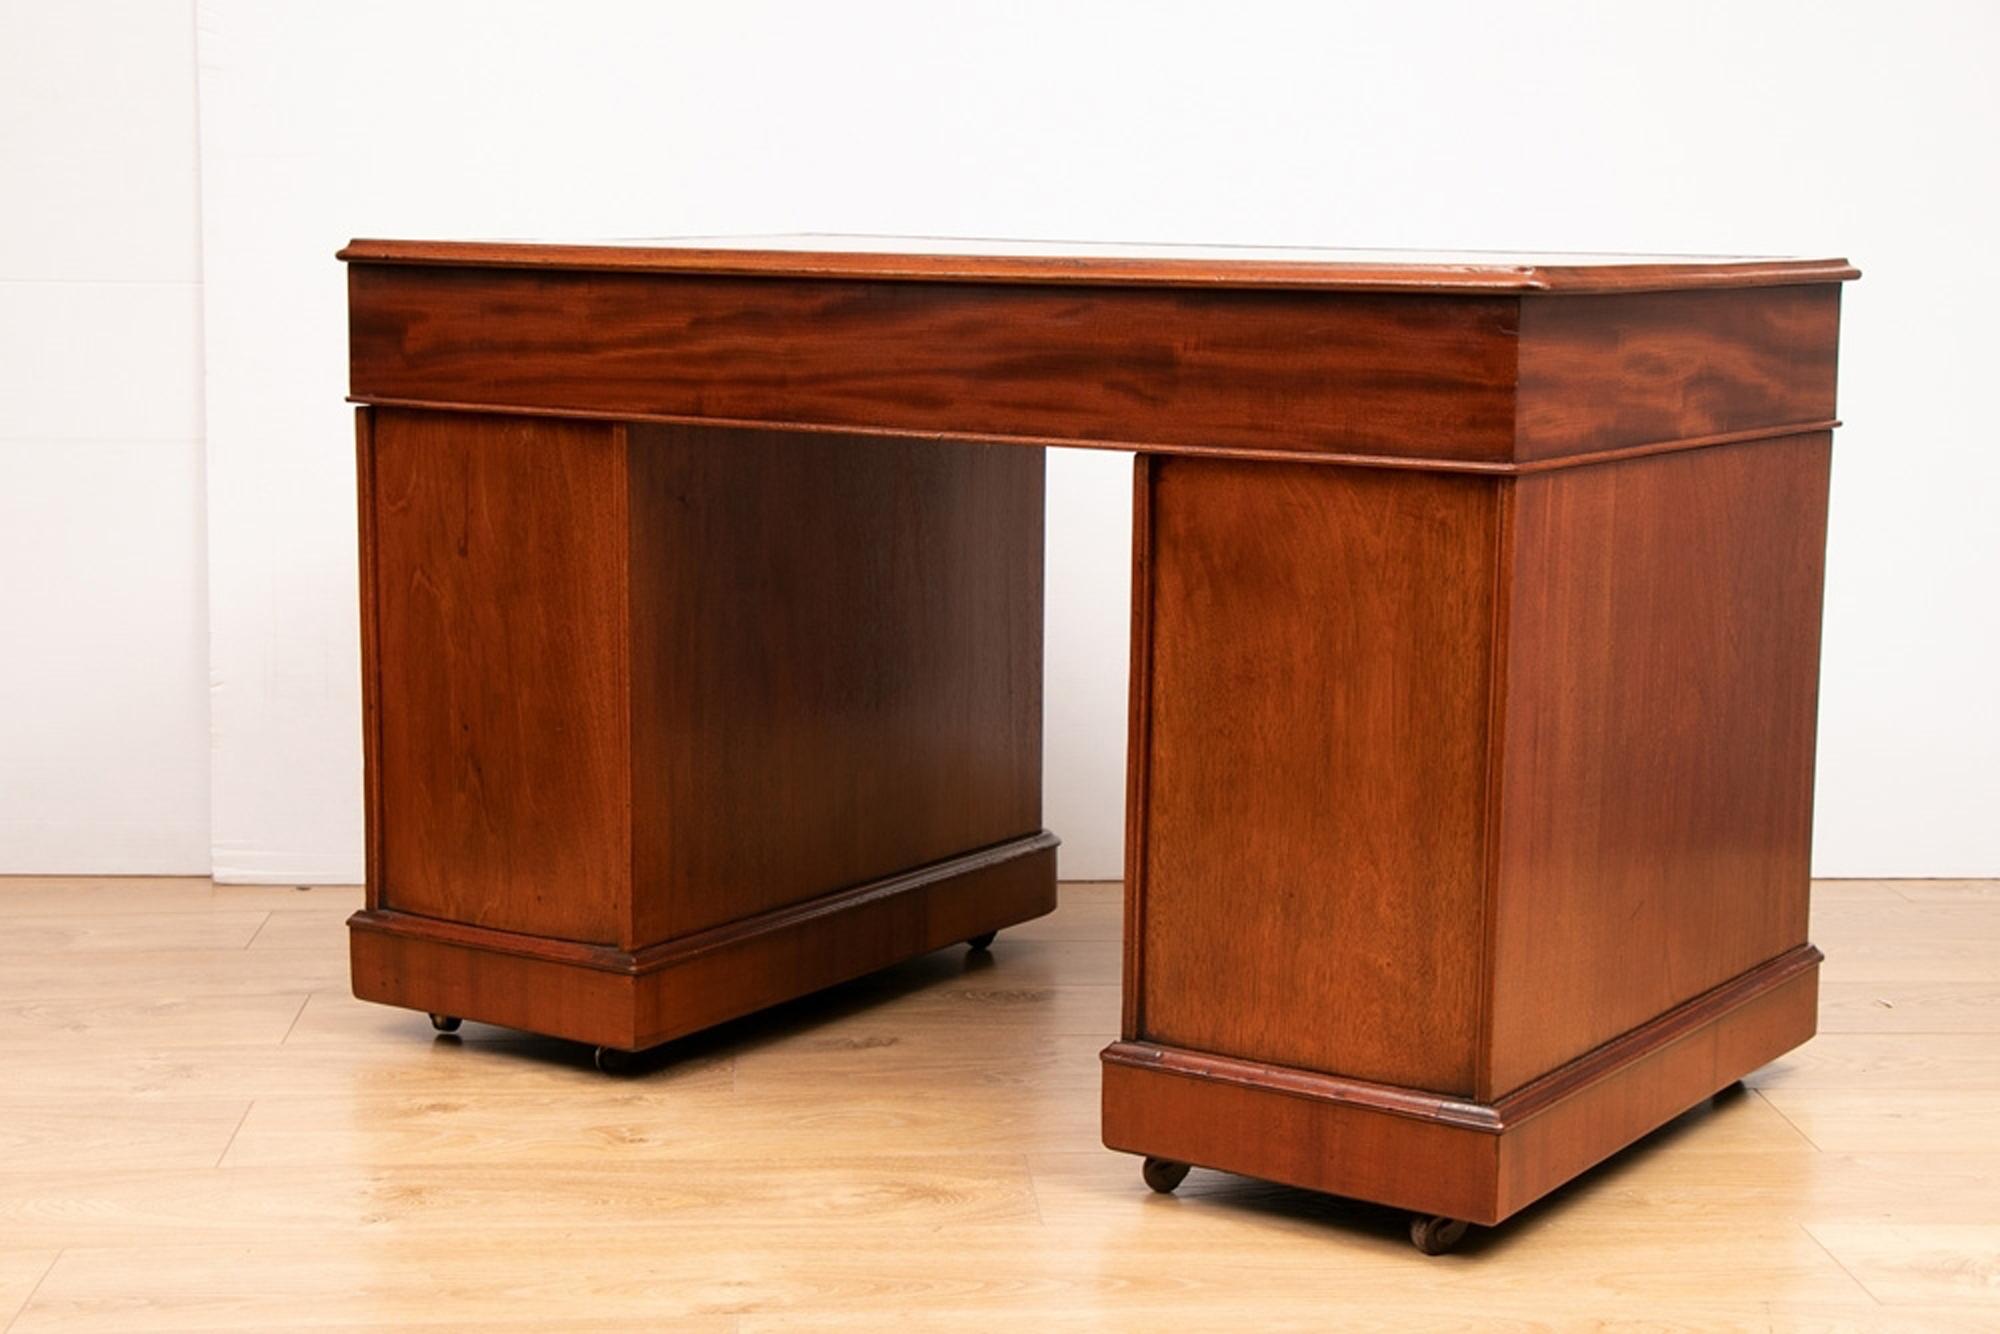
(1090,271)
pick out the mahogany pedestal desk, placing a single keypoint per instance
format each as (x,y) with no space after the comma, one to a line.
(1474,659)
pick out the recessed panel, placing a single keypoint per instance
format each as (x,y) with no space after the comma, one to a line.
(500,584)
(1320,641)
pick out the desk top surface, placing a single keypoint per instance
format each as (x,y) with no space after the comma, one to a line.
(1093,263)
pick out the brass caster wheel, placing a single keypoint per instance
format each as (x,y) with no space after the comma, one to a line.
(1434,1235)
(445,1023)
(1163,1174)
(982,940)
(612,1060)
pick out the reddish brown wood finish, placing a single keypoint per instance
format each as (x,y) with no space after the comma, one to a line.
(1621,370)
(1098,264)
(371,673)
(1480,1162)
(1474,648)
(843,636)
(1417,380)
(629,1000)
(1654,789)
(1320,646)
(1203,371)
(503,783)
(1447,791)
(629,687)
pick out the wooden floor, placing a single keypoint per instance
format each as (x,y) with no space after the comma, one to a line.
(199,1129)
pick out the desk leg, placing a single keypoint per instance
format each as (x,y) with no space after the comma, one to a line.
(1469,815)
(667,724)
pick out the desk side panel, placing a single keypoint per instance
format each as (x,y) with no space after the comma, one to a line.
(1662,671)
(500,773)
(1199,371)
(1612,372)
(837,657)
(1318,644)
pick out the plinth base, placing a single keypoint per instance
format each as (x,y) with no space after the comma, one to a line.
(1433,1154)
(632,1000)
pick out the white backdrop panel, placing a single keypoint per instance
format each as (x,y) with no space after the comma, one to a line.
(1813,128)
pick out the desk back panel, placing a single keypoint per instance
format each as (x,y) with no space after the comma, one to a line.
(836,655)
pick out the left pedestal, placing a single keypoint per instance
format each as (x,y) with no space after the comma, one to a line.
(665,724)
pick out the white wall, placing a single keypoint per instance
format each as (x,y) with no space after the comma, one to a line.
(103,652)
(1823,128)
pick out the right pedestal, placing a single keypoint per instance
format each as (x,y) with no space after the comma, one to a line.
(1469,814)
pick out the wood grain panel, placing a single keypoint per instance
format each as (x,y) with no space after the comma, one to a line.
(1598,373)
(837,647)
(1276,372)
(1661,677)
(503,780)
(1320,645)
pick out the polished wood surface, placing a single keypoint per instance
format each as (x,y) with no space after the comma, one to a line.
(664,728)
(1475,646)
(1625,370)
(1466,1161)
(1319,648)
(1453,791)
(201,1130)
(1470,814)
(502,779)
(1468,382)
(1653,793)
(843,637)
(1205,371)
(628,1001)
(984,259)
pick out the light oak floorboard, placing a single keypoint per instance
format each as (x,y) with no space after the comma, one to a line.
(222,929)
(1943,891)
(79,896)
(1914,1263)
(110,1021)
(1943,1122)
(661,1199)
(672,1125)
(997,1276)
(411,1062)
(157,974)
(200,1129)
(20,1272)
(45,1134)
(1910,1006)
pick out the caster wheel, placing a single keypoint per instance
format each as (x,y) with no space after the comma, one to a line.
(1730,1092)
(982,940)
(612,1060)
(1434,1235)
(1163,1174)
(445,1023)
